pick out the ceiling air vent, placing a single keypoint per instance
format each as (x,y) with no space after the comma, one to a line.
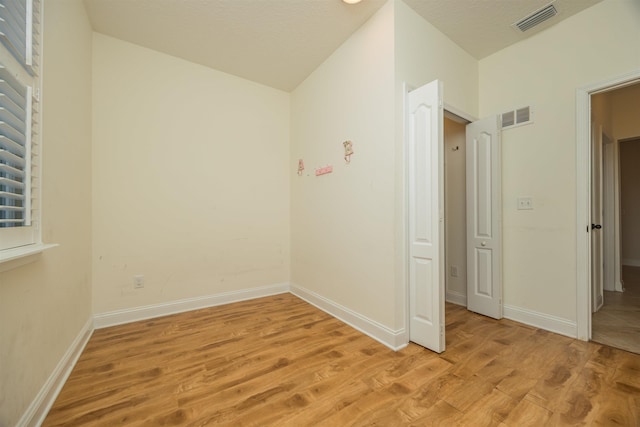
(517,117)
(536,18)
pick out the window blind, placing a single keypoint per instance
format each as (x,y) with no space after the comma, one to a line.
(15,152)
(19,122)
(15,28)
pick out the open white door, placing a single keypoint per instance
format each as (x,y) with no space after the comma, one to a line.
(484,212)
(597,253)
(425,162)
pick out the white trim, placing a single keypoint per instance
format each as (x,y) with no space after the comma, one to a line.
(609,198)
(119,317)
(405,207)
(631,262)
(461,114)
(456,298)
(583,196)
(16,257)
(40,406)
(395,340)
(583,214)
(541,320)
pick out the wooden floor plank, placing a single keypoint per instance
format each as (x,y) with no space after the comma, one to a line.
(280,361)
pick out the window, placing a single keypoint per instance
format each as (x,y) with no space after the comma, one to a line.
(19,123)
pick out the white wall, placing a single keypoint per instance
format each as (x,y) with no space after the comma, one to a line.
(544,71)
(456,210)
(424,54)
(342,224)
(44,305)
(191,177)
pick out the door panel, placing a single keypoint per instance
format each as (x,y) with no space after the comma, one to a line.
(425,163)
(484,272)
(484,204)
(482,163)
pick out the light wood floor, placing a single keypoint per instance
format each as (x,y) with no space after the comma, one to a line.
(280,361)
(617,323)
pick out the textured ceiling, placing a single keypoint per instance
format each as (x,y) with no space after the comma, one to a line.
(280,42)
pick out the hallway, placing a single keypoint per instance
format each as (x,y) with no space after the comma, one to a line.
(617,323)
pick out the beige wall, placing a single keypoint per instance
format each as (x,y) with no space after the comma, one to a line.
(455,209)
(630,206)
(625,104)
(424,54)
(342,224)
(44,305)
(601,111)
(191,177)
(348,228)
(544,71)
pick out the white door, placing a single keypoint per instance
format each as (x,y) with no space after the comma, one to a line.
(608,213)
(597,255)
(484,212)
(425,163)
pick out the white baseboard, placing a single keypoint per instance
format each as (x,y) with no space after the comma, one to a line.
(119,317)
(395,340)
(40,406)
(456,298)
(541,320)
(631,262)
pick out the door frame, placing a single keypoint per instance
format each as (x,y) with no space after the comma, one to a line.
(583,195)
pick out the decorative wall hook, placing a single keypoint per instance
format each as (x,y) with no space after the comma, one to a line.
(348,151)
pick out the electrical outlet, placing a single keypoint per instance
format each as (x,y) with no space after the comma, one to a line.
(525,203)
(454,270)
(138,281)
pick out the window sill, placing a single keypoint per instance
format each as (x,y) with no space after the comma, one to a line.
(13,258)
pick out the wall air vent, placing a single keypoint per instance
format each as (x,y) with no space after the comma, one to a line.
(508,119)
(522,115)
(517,117)
(536,18)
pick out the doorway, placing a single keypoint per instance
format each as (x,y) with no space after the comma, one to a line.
(606,115)
(617,321)
(455,196)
